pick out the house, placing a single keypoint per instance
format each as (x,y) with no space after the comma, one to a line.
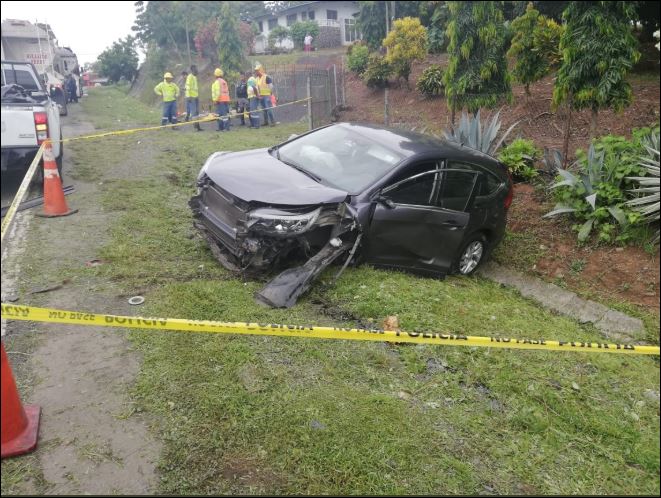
(337,24)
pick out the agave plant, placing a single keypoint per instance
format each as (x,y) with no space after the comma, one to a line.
(586,187)
(647,195)
(472,133)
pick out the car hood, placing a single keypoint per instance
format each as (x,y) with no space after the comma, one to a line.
(257,176)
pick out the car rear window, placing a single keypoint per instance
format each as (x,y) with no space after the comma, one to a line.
(14,74)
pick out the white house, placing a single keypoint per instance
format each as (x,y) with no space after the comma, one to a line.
(337,25)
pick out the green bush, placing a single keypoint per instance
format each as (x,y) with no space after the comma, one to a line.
(358,58)
(520,157)
(597,194)
(377,72)
(298,30)
(431,81)
(277,35)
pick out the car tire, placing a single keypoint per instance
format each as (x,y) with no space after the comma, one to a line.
(473,252)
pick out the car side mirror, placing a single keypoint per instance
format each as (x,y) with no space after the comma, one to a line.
(386,202)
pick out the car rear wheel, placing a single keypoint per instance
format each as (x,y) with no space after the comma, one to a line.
(471,255)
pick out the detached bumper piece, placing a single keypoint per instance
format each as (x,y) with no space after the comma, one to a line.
(284,290)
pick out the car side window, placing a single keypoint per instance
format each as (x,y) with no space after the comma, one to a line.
(417,191)
(489,182)
(456,189)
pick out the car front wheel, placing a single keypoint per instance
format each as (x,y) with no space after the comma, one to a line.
(471,255)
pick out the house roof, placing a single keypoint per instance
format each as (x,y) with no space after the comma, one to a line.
(285,11)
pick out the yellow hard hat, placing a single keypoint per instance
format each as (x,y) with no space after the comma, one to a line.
(258,67)
(168,75)
(218,72)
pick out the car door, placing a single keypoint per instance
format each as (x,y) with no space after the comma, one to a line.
(420,222)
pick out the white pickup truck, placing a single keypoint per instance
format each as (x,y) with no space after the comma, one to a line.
(29,117)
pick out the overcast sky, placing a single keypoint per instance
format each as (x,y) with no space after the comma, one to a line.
(88,28)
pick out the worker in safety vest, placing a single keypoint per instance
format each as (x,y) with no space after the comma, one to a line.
(169,91)
(192,97)
(253,101)
(220,94)
(264,83)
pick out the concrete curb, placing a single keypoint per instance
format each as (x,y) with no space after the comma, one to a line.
(614,324)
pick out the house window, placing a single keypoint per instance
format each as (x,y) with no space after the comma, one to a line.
(273,23)
(311,15)
(291,19)
(350,31)
(304,16)
(331,15)
(260,25)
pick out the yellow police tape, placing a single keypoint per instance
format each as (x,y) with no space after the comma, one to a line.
(206,119)
(20,193)
(31,313)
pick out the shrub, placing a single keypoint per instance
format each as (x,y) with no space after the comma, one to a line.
(646,196)
(431,81)
(520,157)
(595,200)
(298,30)
(377,72)
(407,42)
(473,134)
(277,35)
(358,58)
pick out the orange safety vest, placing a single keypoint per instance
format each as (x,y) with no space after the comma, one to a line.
(220,91)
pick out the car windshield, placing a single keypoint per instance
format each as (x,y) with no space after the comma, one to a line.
(340,157)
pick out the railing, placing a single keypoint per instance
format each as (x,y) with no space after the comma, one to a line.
(327,22)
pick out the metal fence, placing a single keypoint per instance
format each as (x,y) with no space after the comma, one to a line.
(294,83)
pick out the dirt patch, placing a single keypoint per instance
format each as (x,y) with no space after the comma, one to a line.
(91,439)
(244,474)
(622,273)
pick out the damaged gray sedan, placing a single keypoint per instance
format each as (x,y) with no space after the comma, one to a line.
(391,198)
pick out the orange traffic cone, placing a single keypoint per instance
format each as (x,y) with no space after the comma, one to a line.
(20,426)
(54,202)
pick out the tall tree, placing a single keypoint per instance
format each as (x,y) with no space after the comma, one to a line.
(534,37)
(407,42)
(477,70)
(598,50)
(119,60)
(230,48)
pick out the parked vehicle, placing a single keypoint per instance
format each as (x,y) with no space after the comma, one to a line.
(29,116)
(388,197)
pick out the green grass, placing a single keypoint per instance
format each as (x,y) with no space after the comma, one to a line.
(240,414)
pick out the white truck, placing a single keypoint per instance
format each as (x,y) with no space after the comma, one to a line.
(29,116)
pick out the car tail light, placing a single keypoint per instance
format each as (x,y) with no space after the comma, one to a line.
(41,126)
(510,193)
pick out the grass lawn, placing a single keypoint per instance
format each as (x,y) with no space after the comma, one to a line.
(241,414)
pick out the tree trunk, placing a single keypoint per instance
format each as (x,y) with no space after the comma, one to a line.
(527,90)
(565,142)
(593,123)
(453,109)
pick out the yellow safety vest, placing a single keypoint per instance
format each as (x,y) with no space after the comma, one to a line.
(191,86)
(169,91)
(264,89)
(220,92)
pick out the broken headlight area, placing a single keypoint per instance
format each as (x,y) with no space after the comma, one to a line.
(279,223)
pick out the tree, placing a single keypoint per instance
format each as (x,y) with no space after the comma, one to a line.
(247,34)
(534,37)
(477,70)
(598,50)
(298,30)
(205,39)
(120,60)
(277,35)
(370,22)
(438,22)
(230,49)
(407,42)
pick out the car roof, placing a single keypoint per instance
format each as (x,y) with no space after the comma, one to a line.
(409,143)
